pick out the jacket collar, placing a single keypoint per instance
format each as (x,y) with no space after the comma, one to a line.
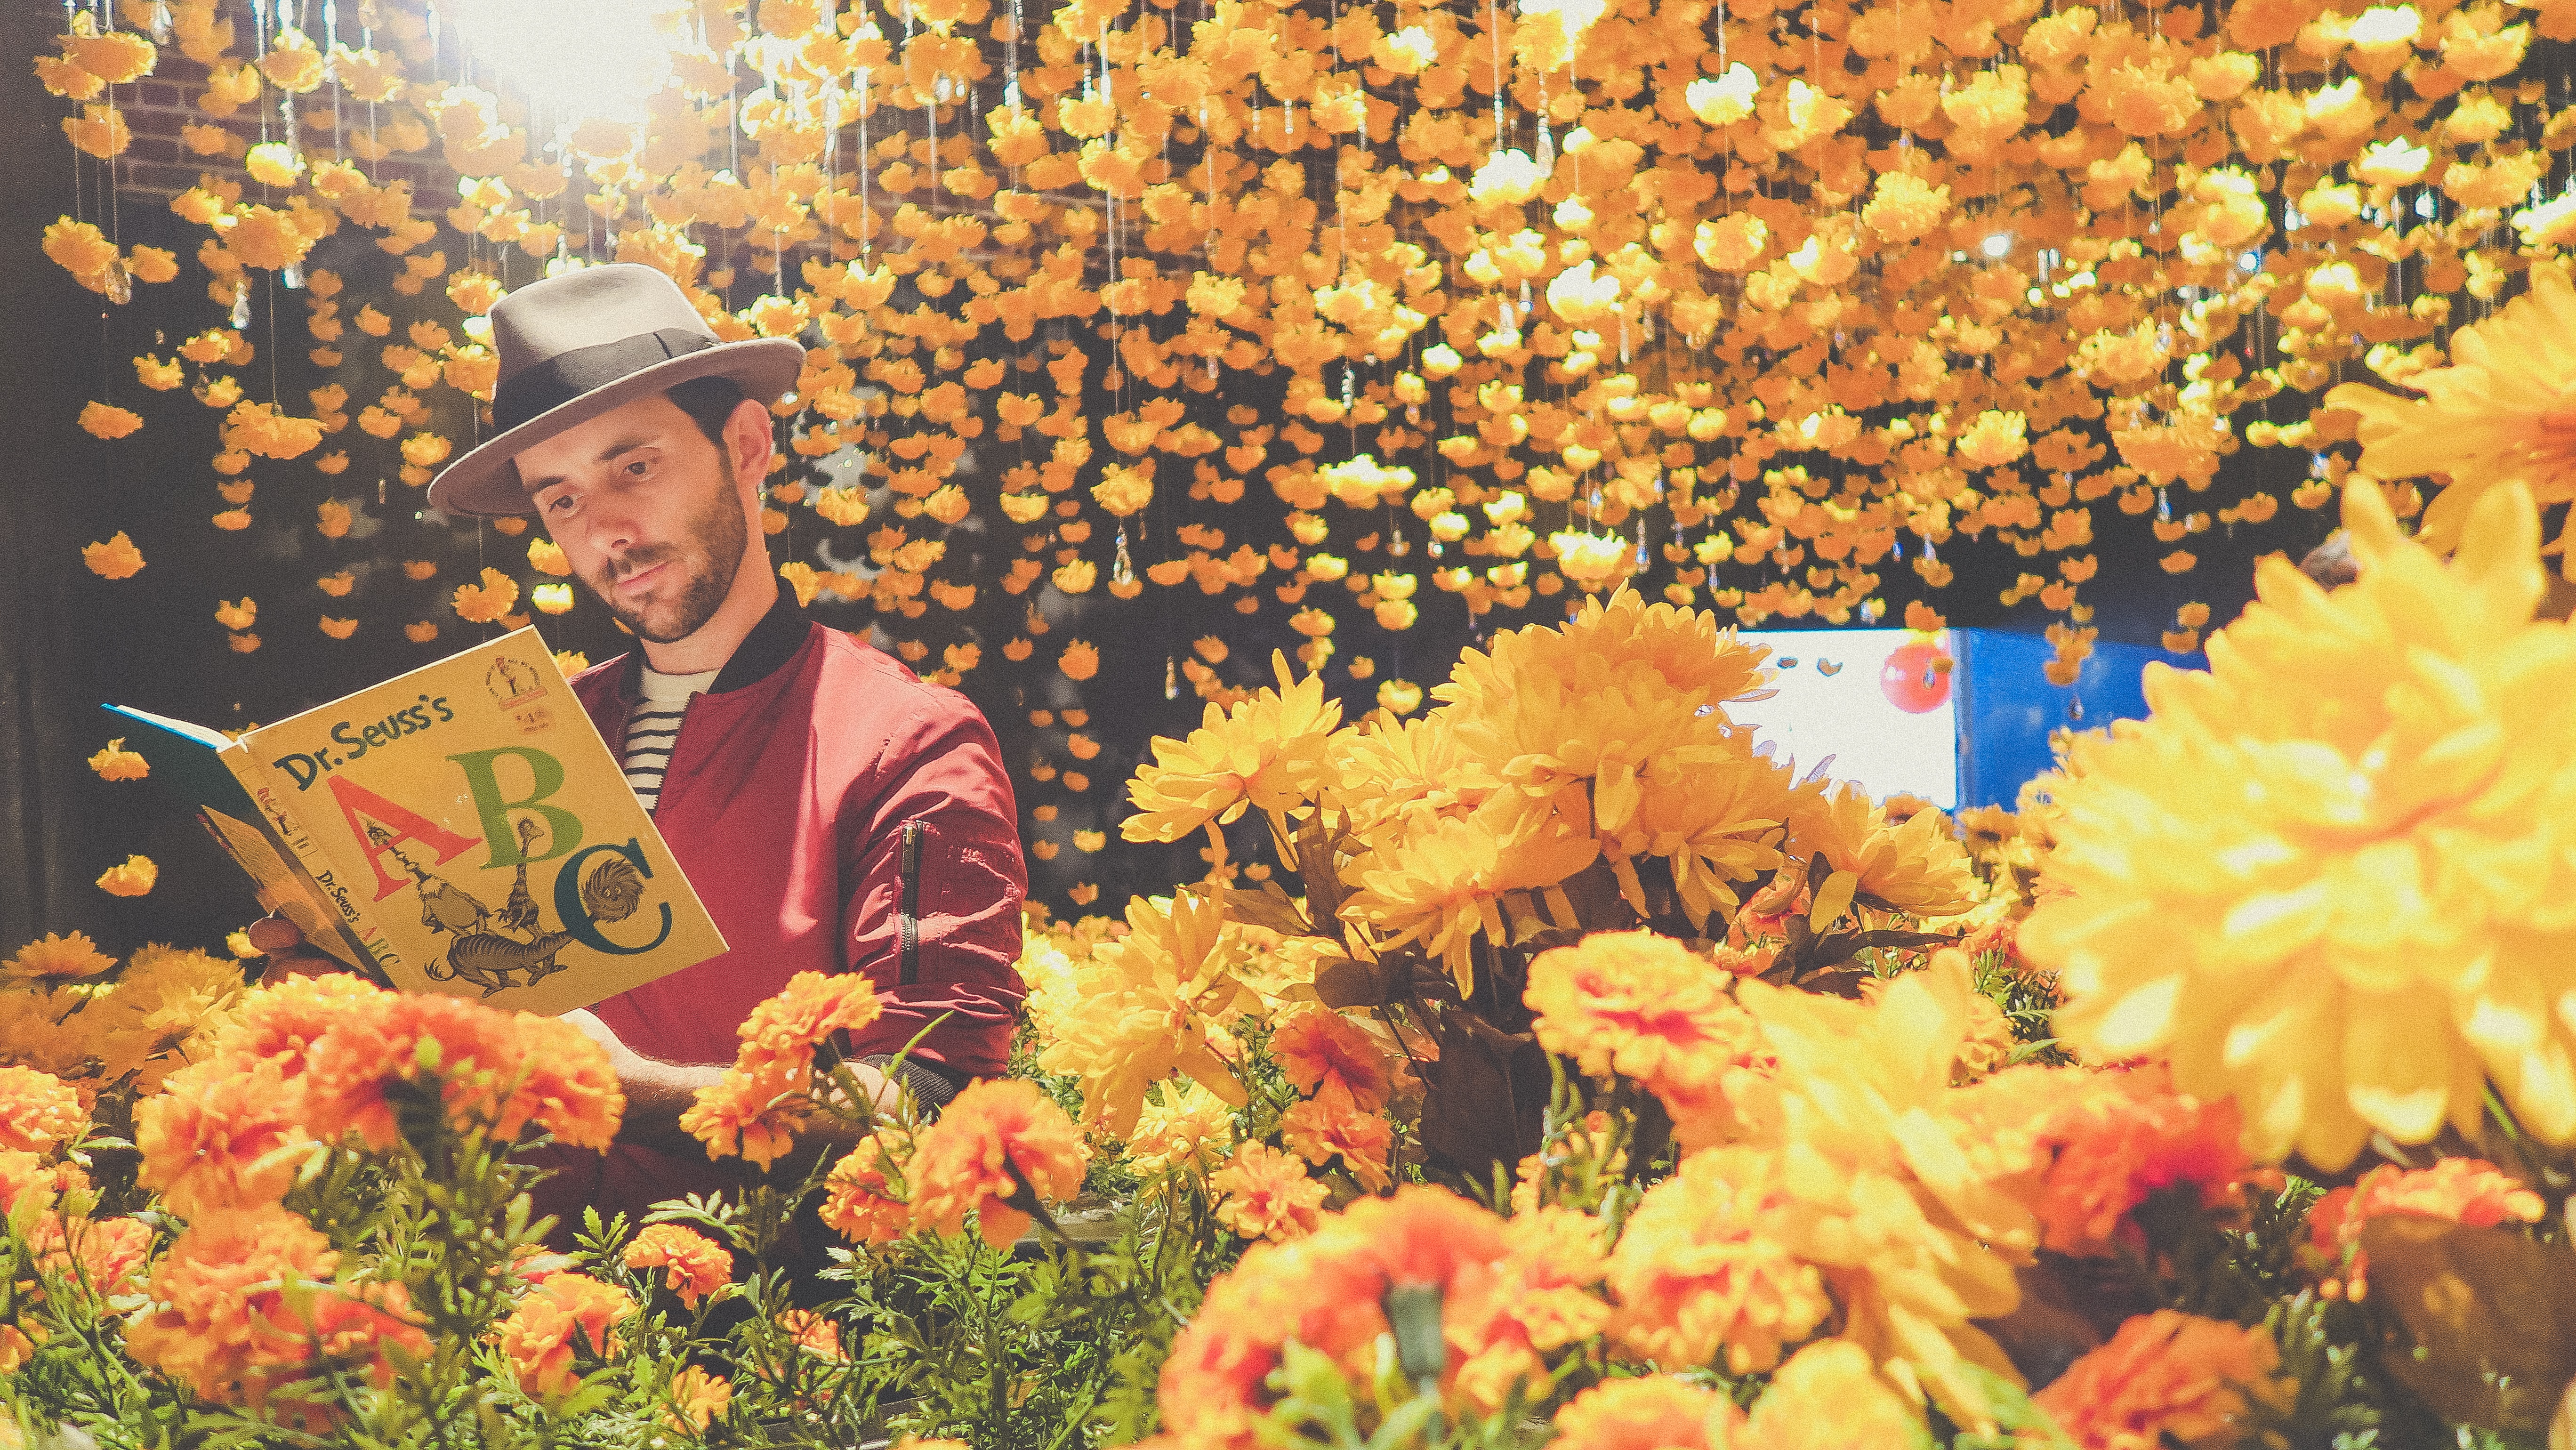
(772,642)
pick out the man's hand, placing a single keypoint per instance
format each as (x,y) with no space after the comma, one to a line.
(657,1093)
(282,942)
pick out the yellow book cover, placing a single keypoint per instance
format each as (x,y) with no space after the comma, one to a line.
(476,836)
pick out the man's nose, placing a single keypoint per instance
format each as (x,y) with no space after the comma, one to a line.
(611,528)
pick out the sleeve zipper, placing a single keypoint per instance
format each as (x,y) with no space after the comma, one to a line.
(907,921)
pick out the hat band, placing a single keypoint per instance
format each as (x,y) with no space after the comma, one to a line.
(542,387)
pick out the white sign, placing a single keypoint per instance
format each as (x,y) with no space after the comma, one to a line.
(1881,703)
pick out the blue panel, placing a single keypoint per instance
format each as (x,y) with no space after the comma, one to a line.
(2007,707)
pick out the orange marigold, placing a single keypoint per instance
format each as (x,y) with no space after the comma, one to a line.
(1319,1048)
(697,1397)
(1658,1412)
(781,1033)
(695,1266)
(566,1312)
(279,1024)
(1326,1291)
(244,1302)
(814,1334)
(2130,1137)
(222,1133)
(1330,1124)
(861,1202)
(1644,1007)
(1538,1299)
(59,958)
(997,1142)
(37,1110)
(2165,1378)
(496,1071)
(1265,1194)
(2462,1190)
(754,1114)
(1700,1269)
(101,1255)
(23,1175)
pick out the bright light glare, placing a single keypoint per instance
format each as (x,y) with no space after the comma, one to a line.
(579,60)
(1998,246)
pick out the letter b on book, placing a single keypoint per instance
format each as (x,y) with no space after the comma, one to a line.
(545,777)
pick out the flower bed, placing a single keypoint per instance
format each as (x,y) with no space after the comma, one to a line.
(1599,1083)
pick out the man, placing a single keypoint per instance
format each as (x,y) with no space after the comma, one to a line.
(834,813)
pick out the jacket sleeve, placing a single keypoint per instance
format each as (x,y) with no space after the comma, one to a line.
(941,781)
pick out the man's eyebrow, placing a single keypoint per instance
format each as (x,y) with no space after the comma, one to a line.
(607,454)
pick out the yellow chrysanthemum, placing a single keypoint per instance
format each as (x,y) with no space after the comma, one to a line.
(2501,413)
(1910,1195)
(1265,752)
(1181,1122)
(1913,866)
(1149,1001)
(2332,876)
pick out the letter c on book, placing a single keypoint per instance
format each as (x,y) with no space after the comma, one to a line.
(576,917)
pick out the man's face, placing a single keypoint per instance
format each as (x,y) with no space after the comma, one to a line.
(647,512)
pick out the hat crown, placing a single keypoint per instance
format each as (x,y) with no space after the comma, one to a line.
(588,307)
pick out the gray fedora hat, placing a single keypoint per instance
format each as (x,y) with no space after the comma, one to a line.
(574,346)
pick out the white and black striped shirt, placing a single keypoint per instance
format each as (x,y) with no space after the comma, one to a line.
(653,727)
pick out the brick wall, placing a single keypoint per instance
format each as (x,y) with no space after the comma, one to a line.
(159,165)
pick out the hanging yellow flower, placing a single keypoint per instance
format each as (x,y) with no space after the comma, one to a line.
(134,877)
(118,763)
(115,559)
(488,600)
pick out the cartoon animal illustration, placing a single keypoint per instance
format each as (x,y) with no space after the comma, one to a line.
(513,948)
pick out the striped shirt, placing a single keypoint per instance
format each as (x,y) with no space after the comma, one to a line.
(653,727)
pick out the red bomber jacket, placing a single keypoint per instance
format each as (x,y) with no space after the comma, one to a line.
(835,814)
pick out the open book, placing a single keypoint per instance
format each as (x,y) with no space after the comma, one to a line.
(459,829)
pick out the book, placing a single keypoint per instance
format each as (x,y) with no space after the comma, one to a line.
(460,829)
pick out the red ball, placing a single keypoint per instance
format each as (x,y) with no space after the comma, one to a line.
(1915,678)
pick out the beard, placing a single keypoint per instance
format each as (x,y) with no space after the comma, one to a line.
(706,558)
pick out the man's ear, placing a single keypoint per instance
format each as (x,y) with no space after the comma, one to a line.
(749,443)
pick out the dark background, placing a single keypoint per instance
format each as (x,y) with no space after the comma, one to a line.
(70,640)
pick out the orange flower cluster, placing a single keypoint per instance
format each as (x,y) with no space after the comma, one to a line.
(2131,1135)
(2166,1379)
(1327,1291)
(246,1301)
(998,1149)
(1266,1194)
(37,1111)
(565,1315)
(757,1106)
(1643,1007)
(313,1058)
(695,1267)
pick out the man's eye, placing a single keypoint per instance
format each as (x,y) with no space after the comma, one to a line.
(638,468)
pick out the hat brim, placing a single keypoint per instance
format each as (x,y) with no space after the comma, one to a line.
(485,483)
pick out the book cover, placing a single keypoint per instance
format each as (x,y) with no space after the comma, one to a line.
(189,759)
(471,834)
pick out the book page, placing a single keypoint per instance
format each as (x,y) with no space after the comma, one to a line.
(472,822)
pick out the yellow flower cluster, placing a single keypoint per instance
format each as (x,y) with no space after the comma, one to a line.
(68,1009)
(2326,877)
(1602,743)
